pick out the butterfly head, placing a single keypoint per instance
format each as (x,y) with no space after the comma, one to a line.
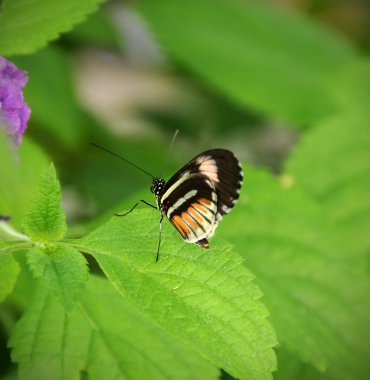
(157,186)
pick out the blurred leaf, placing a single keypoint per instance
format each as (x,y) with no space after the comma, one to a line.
(63,270)
(19,172)
(207,300)
(318,301)
(50,95)
(45,220)
(264,58)
(332,164)
(350,85)
(97,30)
(104,335)
(9,270)
(291,368)
(27,26)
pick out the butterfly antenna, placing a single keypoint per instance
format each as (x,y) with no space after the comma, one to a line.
(168,153)
(121,158)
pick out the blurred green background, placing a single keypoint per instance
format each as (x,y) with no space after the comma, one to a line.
(248,76)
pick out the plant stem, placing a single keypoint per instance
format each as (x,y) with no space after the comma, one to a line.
(10,231)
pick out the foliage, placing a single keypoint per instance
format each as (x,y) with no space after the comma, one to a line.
(9,269)
(93,339)
(279,70)
(305,276)
(26,27)
(343,193)
(283,290)
(44,219)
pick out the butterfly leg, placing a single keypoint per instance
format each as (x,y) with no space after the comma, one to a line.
(134,206)
(160,238)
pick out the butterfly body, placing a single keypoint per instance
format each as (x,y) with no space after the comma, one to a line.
(199,194)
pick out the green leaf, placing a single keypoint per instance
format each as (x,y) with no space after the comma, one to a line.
(19,173)
(26,26)
(319,303)
(49,343)
(45,219)
(332,164)
(208,299)
(104,336)
(50,95)
(22,294)
(63,270)
(350,85)
(9,270)
(263,57)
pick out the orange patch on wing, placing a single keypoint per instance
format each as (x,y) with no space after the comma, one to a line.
(174,222)
(191,222)
(181,226)
(201,209)
(195,214)
(204,201)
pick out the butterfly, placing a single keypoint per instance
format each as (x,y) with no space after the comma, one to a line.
(197,196)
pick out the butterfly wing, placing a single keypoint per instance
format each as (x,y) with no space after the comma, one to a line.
(226,173)
(201,192)
(190,203)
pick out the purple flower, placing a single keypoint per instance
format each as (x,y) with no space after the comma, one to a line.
(14,111)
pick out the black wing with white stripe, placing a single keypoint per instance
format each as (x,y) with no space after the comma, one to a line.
(200,193)
(223,169)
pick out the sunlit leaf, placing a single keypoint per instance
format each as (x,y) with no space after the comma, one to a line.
(63,270)
(104,337)
(27,26)
(45,218)
(208,299)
